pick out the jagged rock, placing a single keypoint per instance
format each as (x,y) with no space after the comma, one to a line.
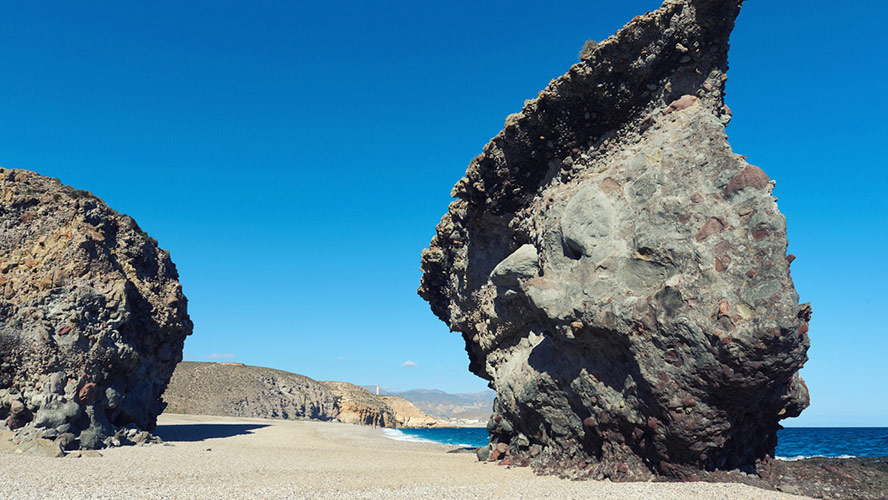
(92,318)
(618,274)
(237,390)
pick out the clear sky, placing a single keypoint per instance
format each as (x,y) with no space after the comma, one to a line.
(295,157)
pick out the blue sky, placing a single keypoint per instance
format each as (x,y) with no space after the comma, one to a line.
(295,158)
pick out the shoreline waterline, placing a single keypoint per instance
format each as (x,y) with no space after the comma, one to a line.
(794,443)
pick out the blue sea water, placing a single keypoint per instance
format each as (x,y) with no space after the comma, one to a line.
(792,443)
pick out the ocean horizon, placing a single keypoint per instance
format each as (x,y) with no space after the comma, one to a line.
(793,443)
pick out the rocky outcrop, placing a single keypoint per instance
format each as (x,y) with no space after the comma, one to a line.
(92,317)
(618,274)
(408,416)
(358,406)
(237,390)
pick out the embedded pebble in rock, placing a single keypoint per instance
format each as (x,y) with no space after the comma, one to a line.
(618,274)
(92,317)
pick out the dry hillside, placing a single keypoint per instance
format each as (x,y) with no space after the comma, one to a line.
(234,389)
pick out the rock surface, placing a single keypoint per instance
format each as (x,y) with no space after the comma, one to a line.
(407,415)
(92,317)
(357,406)
(618,274)
(237,390)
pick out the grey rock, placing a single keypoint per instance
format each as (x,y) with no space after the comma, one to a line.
(789,488)
(85,292)
(56,383)
(521,265)
(90,440)
(40,448)
(50,434)
(483,453)
(618,274)
(66,440)
(47,418)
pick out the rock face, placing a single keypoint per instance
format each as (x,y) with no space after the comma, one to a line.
(247,391)
(408,416)
(358,406)
(619,275)
(92,317)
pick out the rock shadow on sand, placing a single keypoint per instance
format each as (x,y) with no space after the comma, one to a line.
(202,432)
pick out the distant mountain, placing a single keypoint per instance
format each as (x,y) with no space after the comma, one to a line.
(447,406)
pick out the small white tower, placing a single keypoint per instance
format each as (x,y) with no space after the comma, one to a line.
(377,389)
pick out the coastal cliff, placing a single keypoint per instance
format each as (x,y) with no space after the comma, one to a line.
(619,274)
(237,390)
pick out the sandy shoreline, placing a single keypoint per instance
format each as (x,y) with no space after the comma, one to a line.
(222,457)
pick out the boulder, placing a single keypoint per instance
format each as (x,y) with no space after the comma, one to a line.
(92,317)
(618,274)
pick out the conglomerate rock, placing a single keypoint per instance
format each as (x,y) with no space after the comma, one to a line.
(619,275)
(92,317)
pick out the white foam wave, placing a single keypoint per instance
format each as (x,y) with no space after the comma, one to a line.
(802,457)
(398,435)
(402,436)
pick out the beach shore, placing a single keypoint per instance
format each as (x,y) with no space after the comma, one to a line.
(222,457)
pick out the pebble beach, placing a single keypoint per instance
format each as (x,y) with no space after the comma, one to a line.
(220,457)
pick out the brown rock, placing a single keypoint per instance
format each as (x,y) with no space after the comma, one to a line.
(713,226)
(87,394)
(750,176)
(680,104)
(19,415)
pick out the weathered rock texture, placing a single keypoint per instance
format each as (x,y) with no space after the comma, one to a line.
(92,317)
(618,273)
(247,391)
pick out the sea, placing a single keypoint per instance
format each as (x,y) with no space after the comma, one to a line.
(793,443)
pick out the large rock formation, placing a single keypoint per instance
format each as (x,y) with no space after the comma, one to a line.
(92,318)
(618,273)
